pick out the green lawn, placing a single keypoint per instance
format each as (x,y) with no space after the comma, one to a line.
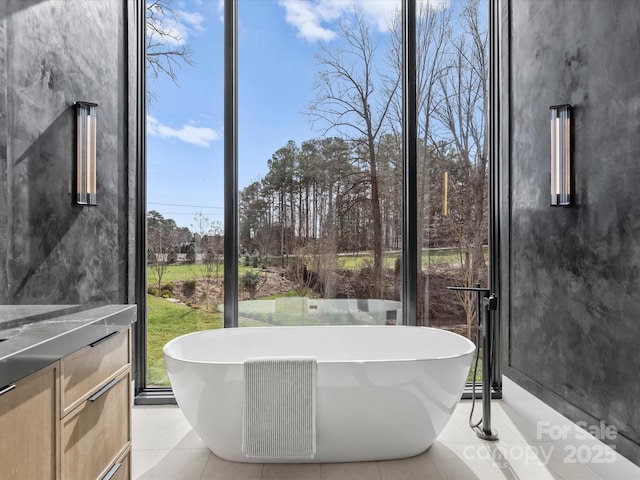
(165,321)
(478,372)
(442,256)
(433,257)
(174,273)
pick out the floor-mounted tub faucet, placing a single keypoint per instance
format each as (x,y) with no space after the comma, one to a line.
(486,302)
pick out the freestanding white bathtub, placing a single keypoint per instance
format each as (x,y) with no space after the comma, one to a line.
(382,392)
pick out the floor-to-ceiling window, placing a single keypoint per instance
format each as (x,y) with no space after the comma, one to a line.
(184,187)
(320,169)
(452,71)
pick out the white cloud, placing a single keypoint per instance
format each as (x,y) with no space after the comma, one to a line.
(221,10)
(177,27)
(307,17)
(194,20)
(318,19)
(189,133)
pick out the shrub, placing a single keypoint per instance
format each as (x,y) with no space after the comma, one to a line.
(250,278)
(167,289)
(191,254)
(250,281)
(254,260)
(189,287)
(172,255)
(151,290)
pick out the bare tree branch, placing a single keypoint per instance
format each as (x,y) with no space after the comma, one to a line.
(165,47)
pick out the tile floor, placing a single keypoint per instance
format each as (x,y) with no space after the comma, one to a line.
(535,443)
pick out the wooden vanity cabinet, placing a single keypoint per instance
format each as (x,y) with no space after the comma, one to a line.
(72,419)
(29,426)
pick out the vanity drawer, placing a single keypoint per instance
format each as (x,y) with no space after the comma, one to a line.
(84,371)
(97,433)
(121,470)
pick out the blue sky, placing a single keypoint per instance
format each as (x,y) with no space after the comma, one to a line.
(278,40)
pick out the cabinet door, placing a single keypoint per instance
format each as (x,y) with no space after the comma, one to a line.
(28,427)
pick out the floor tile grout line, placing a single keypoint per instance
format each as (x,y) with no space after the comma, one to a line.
(204,467)
(378,469)
(435,466)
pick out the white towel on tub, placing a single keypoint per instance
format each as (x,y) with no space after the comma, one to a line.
(279,418)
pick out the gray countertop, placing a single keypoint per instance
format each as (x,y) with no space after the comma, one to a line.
(34,336)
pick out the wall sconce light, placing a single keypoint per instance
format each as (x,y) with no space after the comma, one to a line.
(560,155)
(86,153)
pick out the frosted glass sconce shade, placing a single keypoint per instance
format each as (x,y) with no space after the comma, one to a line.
(86,153)
(560,155)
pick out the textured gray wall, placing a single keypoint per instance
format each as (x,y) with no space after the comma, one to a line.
(53,53)
(572,305)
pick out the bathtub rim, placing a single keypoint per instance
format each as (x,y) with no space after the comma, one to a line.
(471,347)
